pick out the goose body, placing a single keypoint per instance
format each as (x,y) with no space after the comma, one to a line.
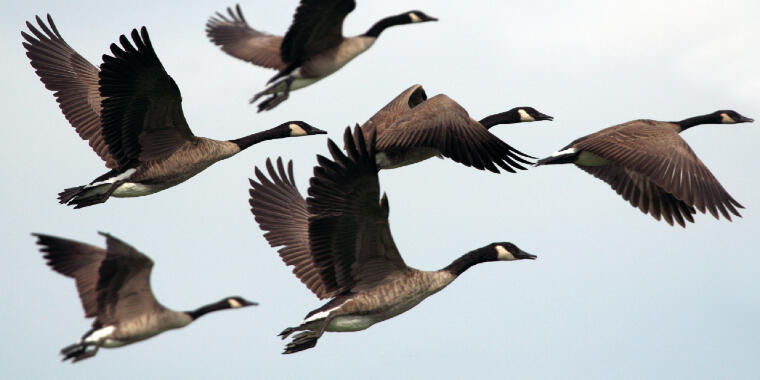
(387,300)
(313,48)
(114,287)
(130,112)
(340,244)
(651,166)
(412,128)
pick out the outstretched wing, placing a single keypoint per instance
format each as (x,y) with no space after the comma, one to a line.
(281,211)
(643,193)
(76,260)
(124,287)
(73,80)
(142,106)
(397,108)
(236,38)
(440,123)
(649,152)
(349,234)
(317,26)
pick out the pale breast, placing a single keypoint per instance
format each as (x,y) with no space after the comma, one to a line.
(396,159)
(147,326)
(189,160)
(392,298)
(330,61)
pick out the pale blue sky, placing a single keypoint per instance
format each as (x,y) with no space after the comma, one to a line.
(613,294)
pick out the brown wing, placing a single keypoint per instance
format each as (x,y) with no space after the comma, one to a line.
(239,40)
(348,228)
(442,124)
(73,80)
(76,260)
(643,193)
(397,108)
(656,153)
(280,210)
(142,106)
(317,26)
(124,289)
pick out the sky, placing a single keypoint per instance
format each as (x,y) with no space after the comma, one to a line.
(613,293)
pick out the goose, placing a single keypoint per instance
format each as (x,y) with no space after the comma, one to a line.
(651,166)
(340,243)
(130,112)
(114,287)
(313,47)
(412,128)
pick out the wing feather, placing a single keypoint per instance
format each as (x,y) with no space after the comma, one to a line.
(652,158)
(442,124)
(73,80)
(236,38)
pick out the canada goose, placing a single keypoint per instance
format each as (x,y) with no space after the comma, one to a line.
(130,112)
(114,287)
(412,128)
(653,168)
(341,246)
(313,47)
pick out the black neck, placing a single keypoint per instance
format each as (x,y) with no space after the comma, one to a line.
(270,134)
(509,117)
(203,310)
(381,25)
(469,259)
(697,120)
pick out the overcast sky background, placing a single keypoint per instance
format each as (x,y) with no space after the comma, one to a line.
(613,294)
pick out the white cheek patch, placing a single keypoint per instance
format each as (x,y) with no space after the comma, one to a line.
(524,116)
(296,130)
(725,119)
(503,253)
(234,303)
(414,17)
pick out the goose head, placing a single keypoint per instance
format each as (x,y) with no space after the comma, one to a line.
(236,302)
(531,114)
(508,252)
(299,128)
(731,117)
(418,16)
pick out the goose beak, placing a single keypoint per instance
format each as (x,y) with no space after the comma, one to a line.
(522,255)
(318,131)
(745,119)
(541,116)
(431,19)
(249,303)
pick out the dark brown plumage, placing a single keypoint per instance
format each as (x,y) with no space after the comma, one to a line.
(73,80)
(340,244)
(412,128)
(114,287)
(652,167)
(313,47)
(131,112)
(238,39)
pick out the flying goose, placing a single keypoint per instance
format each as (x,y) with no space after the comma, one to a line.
(412,128)
(340,244)
(114,287)
(313,47)
(653,168)
(130,112)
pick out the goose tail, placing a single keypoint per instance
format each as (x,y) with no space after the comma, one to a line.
(77,352)
(83,196)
